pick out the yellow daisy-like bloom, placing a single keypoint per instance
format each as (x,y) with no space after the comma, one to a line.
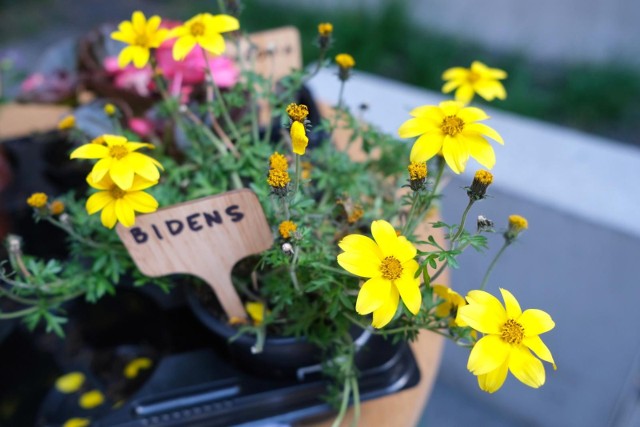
(70,383)
(388,261)
(297,112)
(256,312)
(119,160)
(118,204)
(141,36)
(203,30)
(278,161)
(91,399)
(287,228)
(510,337)
(67,123)
(325,29)
(299,138)
(37,200)
(278,178)
(478,79)
(134,367)
(450,128)
(344,60)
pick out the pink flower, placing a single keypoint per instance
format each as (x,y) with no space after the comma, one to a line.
(137,80)
(143,127)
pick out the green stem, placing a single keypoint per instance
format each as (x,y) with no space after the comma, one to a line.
(412,210)
(75,235)
(218,95)
(356,401)
(346,392)
(493,263)
(19,313)
(292,268)
(462,221)
(298,174)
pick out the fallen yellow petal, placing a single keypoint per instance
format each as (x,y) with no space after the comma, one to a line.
(70,382)
(77,422)
(91,399)
(133,368)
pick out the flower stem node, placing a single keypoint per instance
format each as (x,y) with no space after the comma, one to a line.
(345,65)
(481,181)
(517,224)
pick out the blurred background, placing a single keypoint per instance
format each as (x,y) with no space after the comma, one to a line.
(574,68)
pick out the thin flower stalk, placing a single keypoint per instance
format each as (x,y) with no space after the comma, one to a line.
(485,279)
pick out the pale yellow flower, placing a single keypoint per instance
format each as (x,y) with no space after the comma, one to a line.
(388,261)
(205,31)
(510,337)
(452,129)
(478,79)
(141,36)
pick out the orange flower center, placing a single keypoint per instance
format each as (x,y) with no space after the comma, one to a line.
(118,151)
(197,29)
(452,125)
(391,268)
(117,192)
(142,40)
(473,77)
(512,332)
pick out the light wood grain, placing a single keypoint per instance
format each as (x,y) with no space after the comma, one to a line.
(202,248)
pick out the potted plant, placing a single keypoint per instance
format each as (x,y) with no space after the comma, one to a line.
(350,240)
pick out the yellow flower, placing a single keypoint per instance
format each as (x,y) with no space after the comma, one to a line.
(119,160)
(134,367)
(118,204)
(452,301)
(67,122)
(450,128)
(203,30)
(299,138)
(56,207)
(141,36)
(417,171)
(77,422)
(297,112)
(344,60)
(278,161)
(517,224)
(37,200)
(287,228)
(70,382)
(481,181)
(110,109)
(478,79)
(325,29)
(255,311)
(278,178)
(91,399)
(388,262)
(510,336)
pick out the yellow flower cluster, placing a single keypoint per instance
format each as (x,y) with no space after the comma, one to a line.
(37,200)
(297,112)
(278,161)
(417,171)
(278,179)
(287,228)
(121,174)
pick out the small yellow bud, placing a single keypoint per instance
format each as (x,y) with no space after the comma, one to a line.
(297,112)
(517,224)
(325,29)
(110,109)
(344,60)
(287,228)
(278,161)
(278,179)
(56,207)
(67,122)
(37,200)
(481,181)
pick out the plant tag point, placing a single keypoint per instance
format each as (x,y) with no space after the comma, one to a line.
(204,238)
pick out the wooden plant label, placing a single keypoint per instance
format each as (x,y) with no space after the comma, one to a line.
(203,237)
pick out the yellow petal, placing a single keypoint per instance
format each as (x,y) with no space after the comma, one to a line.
(482,69)
(464,93)
(213,44)
(133,368)
(480,150)
(121,174)
(299,138)
(77,422)
(488,354)
(126,56)
(455,73)
(511,304)
(471,114)
(535,322)
(413,127)
(539,348)
(485,315)
(404,250)
(90,151)
(125,213)
(360,264)
(490,89)
(492,381)
(361,244)
(98,201)
(139,22)
(134,146)
(450,85)
(111,140)
(526,367)
(142,165)
(455,153)
(70,382)
(373,295)
(91,399)
(153,23)
(482,129)
(409,288)
(108,215)
(451,108)
(183,46)
(141,201)
(105,184)
(255,311)
(385,236)
(140,56)
(100,169)
(432,114)
(427,146)
(223,23)
(140,183)
(384,315)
